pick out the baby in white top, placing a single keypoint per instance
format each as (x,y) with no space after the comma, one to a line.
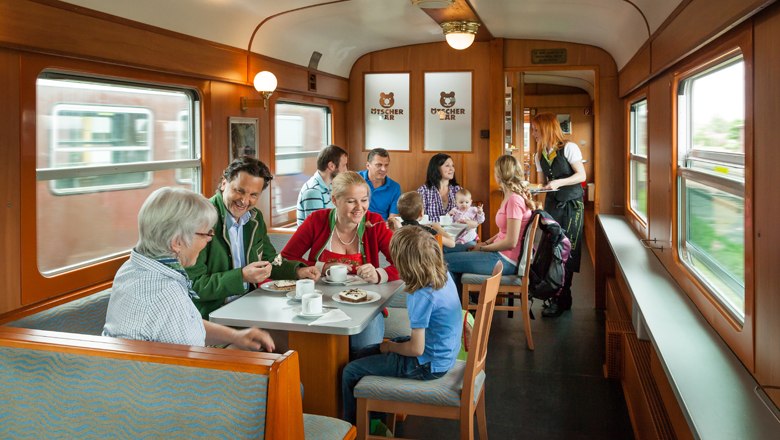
(472,216)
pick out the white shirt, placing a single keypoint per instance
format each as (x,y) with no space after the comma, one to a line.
(236,236)
(150,302)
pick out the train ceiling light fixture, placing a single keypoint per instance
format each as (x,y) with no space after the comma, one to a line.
(460,34)
(433,4)
(265,83)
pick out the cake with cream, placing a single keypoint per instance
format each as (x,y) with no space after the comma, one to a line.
(354,295)
(284,284)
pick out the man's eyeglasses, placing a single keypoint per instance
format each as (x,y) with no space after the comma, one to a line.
(206,234)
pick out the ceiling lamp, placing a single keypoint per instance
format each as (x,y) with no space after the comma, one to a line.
(433,4)
(460,34)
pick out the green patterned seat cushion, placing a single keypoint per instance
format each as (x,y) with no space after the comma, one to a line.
(84,316)
(324,428)
(397,323)
(443,392)
(68,396)
(506,280)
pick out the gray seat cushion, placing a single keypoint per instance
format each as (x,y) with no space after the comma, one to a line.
(442,392)
(324,428)
(84,316)
(506,280)
(397,323)
(397,300)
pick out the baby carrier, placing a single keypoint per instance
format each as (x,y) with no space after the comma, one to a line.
(548,269)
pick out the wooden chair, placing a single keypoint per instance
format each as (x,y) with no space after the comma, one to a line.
(512,286)
(458,395)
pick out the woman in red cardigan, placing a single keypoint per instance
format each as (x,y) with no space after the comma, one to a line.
(347,234)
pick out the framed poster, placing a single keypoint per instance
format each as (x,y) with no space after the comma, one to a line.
(243,137)
(448,112)
(386,111)
(565,122)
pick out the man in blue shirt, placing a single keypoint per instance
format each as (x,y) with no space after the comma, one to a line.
(384,190)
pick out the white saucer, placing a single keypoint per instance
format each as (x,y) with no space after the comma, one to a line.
(350,280)
(312,315)
(291,295)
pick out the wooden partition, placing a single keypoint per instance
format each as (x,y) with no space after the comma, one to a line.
(284,416)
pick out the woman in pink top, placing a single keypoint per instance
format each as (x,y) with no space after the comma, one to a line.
(512,218)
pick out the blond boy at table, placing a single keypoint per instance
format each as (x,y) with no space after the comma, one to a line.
(434,315)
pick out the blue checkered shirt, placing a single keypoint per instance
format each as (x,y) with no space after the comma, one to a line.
(150,302)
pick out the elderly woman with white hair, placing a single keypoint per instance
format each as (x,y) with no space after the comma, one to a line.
(151,299)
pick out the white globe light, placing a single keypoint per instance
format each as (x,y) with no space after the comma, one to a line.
(265,81)
(459,41)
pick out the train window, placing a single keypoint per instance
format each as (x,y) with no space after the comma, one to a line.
(711,180)
(638,158)
(102,147)
(301,131)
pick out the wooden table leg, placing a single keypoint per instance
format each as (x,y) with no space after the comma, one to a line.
(322,358)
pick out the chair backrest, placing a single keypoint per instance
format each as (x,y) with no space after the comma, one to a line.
(479,336)
(524,265)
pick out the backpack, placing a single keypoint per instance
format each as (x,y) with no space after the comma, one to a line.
(548,265)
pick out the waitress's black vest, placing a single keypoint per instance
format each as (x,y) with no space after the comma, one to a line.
(560,168)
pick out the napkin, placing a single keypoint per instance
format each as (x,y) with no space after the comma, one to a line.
(335,315)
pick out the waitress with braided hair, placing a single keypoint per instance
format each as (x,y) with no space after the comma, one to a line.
(560,164)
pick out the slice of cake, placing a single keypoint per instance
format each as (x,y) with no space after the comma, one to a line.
(284,285)
(354,295)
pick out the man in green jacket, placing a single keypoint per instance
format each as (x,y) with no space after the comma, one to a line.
(238,257)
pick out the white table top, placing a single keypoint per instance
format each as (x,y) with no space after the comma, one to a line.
(270,310)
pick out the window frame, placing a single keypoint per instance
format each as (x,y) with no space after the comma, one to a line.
(739,336)
(73,282)
(639,222)
(295,155)
(688,251)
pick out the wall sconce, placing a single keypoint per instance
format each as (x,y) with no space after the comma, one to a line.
(460,34)
(265,83)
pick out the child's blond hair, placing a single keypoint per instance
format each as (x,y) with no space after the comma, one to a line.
(419,259)
(410,206)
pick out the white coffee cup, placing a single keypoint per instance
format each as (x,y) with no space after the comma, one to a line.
(445,220)
(311,303)
(337,273)
(303,287)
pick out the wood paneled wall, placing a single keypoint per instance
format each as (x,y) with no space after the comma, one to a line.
(408,168)
(766,210)
(693,26)
(755,343)
(474,170)
(51,33)
(9,182)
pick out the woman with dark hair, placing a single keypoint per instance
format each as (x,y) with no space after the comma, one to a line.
(438,192)
(559,164)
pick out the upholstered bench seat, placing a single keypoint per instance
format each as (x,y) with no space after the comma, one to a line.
(324,428)
(397,323)
(506,280)
(442,392)
(84,316)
